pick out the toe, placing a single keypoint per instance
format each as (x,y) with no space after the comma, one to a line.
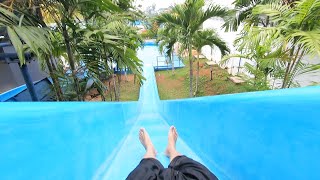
(174,130)
(171,130)
(142,131)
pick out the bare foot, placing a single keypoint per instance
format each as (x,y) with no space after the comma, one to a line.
(147,144)
(171,151)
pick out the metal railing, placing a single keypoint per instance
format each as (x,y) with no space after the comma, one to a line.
(166,62)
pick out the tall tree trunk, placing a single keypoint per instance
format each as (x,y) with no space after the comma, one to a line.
(49,59)
(115,87)
(295,65)
(198,70)
(53,63)
(110,90)
(288,70)
(102,94)
(56,85)
(119,88)
(191,70)
(172,63)
(255,74)
(71,60)
(286,75)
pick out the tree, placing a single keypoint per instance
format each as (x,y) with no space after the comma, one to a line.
(187,19)
(151,28)
(167,38)
(262,61)
(207,38)
(23,31)
(110,40)
(277,51)
(295,31)
(90,34)
(242,12)
(26,34)
(32,9)
(66,14)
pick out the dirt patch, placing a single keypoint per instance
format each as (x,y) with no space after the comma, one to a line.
(170,83)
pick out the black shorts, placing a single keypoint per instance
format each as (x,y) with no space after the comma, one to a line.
(180,168)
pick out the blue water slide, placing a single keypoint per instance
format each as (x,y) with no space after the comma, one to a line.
(260,135)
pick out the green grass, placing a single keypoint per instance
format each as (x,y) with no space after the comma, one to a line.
(176,86)
(128,91)
(167,92)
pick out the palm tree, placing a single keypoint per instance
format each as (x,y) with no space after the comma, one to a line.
(167,38)
(187,19)
(207,38)
(262,61)
(242,12)
(66,13)
(76,23)
(23,31)
(295,31)
(32,9)
(110,40)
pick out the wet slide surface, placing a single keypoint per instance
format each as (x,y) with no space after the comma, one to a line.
(130,153)
(263,135)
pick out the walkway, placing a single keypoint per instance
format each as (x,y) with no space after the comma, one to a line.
(131,151)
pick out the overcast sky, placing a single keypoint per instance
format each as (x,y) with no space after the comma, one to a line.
(167,3)
(159,3)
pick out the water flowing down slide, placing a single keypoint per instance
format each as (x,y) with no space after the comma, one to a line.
(260,135)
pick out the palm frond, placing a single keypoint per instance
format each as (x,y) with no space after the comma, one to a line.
(25,35)
(210,38)
(225,59)
(308,40)
(276,12)
(306,11)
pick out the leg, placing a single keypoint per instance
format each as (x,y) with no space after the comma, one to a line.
(171,150)
(149,167)
(186,168)
(182,167)
(147,144)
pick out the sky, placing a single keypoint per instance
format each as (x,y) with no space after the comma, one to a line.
(159,3)
(167,3)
